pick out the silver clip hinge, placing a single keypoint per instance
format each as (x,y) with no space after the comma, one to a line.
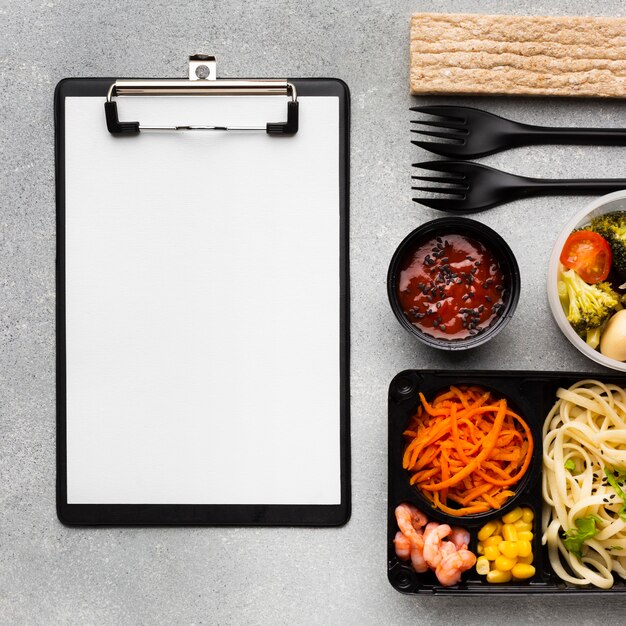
(202,67)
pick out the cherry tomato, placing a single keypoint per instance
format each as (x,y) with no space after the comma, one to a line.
(588,254)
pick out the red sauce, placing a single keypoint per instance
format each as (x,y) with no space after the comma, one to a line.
(452,287)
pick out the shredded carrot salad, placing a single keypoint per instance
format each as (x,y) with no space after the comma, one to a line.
(466,447)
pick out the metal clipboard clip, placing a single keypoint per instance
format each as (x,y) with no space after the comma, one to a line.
(202,81)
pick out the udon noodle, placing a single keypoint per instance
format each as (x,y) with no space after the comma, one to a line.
(584,437)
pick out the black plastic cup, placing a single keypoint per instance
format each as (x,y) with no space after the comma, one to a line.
(403,393)
(479,232)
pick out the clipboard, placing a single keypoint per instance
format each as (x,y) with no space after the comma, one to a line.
(202,301)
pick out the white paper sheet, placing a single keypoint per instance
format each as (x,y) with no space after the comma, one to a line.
(202,305)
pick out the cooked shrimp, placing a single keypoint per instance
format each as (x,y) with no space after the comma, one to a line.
(450,569)
(460,537)
(403,546)
(434,536)
(410,519)
(417,556)
(426,545)
(430,527)
(447,548)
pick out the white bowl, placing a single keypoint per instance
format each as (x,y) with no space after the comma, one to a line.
(611,202)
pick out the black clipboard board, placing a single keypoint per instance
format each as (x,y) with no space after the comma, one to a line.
(90,511)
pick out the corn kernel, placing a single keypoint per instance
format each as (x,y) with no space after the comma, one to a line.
(522,525)
(482,565)
(525,559)
(498,524)
(523,570)
(524,535)
(509,532)
(492,553)
(494,540)
(528,515)
(524,548)
(509,549)
(504,564)
(480,548)
(486,531)
(513,516)
(496,576)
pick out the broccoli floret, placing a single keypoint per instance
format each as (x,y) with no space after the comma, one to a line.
(593,336)
(612,226)
(589,306)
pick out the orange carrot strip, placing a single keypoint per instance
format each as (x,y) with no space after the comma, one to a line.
(489,443)
(470,510)
(445,474)
(474,493)
(493,503)
(455,434)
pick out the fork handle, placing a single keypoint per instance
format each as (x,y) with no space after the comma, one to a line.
(534,135)
(571,187)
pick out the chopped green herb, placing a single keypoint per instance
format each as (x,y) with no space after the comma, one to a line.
(613,476)
(575,537)
(570,465)
(616,548)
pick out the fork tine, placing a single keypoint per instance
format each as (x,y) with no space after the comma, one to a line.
(443,167)
(431,133)
(450,124)
(458,168)
(443,149)
(453,191)
(443,179)
(450,112)
(441,204)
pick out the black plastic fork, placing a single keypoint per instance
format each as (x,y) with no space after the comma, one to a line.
(473,187)
(471,133)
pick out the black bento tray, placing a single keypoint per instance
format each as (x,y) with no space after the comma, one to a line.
(532,395)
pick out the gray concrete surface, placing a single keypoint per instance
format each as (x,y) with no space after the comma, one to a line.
(50,574)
